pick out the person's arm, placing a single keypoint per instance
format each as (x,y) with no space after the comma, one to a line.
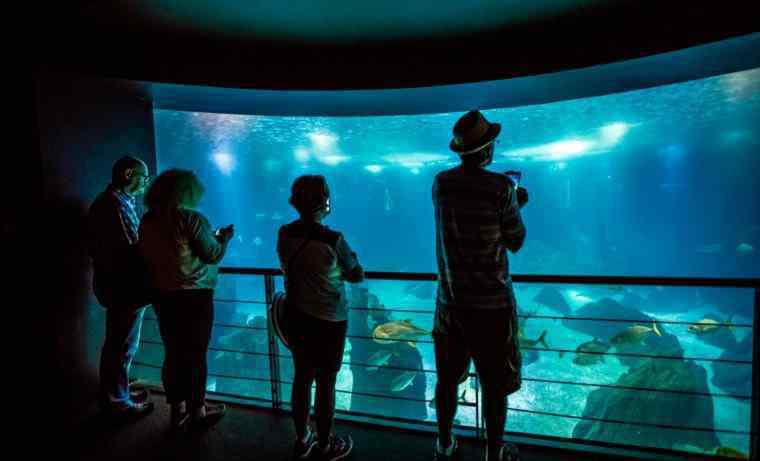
(348,262)
(512,227)
(203,242)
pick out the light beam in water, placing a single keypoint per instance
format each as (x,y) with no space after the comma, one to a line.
(225,162)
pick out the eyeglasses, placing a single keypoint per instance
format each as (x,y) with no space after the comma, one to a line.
(145,177)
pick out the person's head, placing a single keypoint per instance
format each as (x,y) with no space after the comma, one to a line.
(474,138)
(130,175)
(174,189)
(310,196)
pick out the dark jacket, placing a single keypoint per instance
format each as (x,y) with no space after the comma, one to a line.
(119,277)
(180,250)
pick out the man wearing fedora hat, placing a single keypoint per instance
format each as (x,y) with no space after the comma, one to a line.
(477,215)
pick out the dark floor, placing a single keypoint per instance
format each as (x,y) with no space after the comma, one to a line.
(248,433)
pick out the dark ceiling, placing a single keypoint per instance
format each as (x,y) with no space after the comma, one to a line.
(334,44)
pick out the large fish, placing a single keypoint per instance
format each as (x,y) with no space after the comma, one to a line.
(634,334)
(378,359)
(708,325)
(403,381)
(524,342)
(398,330)
(552,298)
(591,352)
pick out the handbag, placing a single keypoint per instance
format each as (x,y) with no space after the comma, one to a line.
(278,309)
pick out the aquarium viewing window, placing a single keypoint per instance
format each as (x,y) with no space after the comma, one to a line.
(654,182)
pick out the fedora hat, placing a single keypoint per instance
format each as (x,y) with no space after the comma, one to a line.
(473,132)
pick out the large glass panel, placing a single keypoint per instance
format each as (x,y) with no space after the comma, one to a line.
(658,181)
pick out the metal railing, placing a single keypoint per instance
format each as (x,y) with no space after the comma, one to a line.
(276,358)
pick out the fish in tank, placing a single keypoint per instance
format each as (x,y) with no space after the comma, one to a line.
(655,182)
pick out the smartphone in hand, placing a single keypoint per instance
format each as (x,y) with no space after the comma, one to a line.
(515,176)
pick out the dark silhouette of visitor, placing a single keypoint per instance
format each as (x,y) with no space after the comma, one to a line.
(477,216)
(120,284)
(316,261)
(182,251)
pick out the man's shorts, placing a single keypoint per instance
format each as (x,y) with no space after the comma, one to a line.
(488,337)
(317,343)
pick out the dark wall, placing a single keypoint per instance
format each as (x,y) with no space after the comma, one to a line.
(82,127)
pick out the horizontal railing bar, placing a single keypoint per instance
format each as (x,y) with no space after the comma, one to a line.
(239,301)
(242,327)
(221,325)
(213,375)
(214,349)
(643,356)
(387,309)
(398,419)
(640,389)
(554,279)
(560,317)
(239,397)
(638,423)
(659,322)
(423,341)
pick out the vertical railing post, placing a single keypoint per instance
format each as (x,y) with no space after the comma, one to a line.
(755,425)
(274,359)
(477,407)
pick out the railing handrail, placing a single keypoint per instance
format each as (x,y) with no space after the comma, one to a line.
(748,282)
(276,380)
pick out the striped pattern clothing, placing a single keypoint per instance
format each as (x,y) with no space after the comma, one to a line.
(130,222)
(477,220)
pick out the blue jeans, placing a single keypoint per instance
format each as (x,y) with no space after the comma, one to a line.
(119,348)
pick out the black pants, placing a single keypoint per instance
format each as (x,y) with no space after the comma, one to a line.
(317,353)
(185,319)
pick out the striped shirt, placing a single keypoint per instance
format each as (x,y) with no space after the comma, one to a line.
(477,219)
(127,214)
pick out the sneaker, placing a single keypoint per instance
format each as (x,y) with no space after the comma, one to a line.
(507,452)
(139,395)
(178,417)
(445,454)
(303,448)
(339,448)
(212,413)
(129,409)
